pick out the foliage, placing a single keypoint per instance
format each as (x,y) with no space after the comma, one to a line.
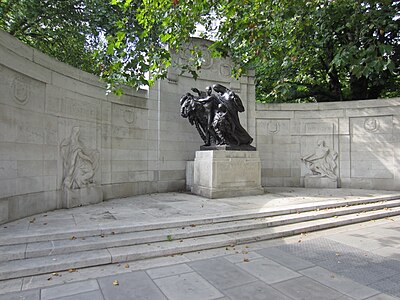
(335,50)
(68,30)
(305,50)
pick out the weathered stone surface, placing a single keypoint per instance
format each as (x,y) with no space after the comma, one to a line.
(220,174)
(363,133)
(83,196)
(141,140)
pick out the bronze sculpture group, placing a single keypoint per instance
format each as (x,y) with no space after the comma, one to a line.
(215,114)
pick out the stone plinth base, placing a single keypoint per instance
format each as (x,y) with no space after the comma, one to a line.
(189,175)
(320,182)
(83,196)
(228,147)
(221,174)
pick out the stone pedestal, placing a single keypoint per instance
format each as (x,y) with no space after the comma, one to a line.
(189,175)
(221,174)
(83,196)
(320,182)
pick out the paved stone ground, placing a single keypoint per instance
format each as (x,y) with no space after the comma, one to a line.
(360,261)
(154,208)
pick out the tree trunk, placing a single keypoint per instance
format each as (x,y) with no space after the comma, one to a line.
(358,88)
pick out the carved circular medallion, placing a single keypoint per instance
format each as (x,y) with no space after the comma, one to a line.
(371,125)
(273,127)
(20,89)
(207,61)
(185,55)
(225,70)
(206,57)
(129,116)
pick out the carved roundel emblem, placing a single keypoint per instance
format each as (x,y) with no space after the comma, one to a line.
(185,55)
(20,90)
(371,125)
(206,56)
(273,127)
(225,70)
(129,116)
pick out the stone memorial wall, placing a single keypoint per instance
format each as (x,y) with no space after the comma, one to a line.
(65,143)
(365,135)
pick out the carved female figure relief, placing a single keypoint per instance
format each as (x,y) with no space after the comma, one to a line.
(79,163)
(322,163)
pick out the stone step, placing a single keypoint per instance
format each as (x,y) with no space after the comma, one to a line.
(47,234)
(54,263)
(136,252)
(75,244)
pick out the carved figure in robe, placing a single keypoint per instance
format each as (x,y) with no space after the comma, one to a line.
(79,162)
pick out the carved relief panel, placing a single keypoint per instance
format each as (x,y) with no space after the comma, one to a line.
(79,162)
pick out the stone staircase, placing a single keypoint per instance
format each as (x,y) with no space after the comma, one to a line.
(45,252)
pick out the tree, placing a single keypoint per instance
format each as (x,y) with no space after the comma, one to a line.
(338,50)
(308,50)
(68,30)
(305,50)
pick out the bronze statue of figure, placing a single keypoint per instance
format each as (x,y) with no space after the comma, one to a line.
(216,117)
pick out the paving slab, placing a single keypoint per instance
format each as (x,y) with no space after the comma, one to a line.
(9,286)
(187,286)
(306,288)
(382,297)
(339,283)
(169,271)
(389,285)
(25,295)
(268,270)
(133,285)
(221,273)
(69,289)
(365,241)
(94,295)
(41,281)
(285,259)
(389,252)
(255,291)
(243,256)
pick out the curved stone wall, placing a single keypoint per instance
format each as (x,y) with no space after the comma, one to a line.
(364,134)
(58,128)
(50,113)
